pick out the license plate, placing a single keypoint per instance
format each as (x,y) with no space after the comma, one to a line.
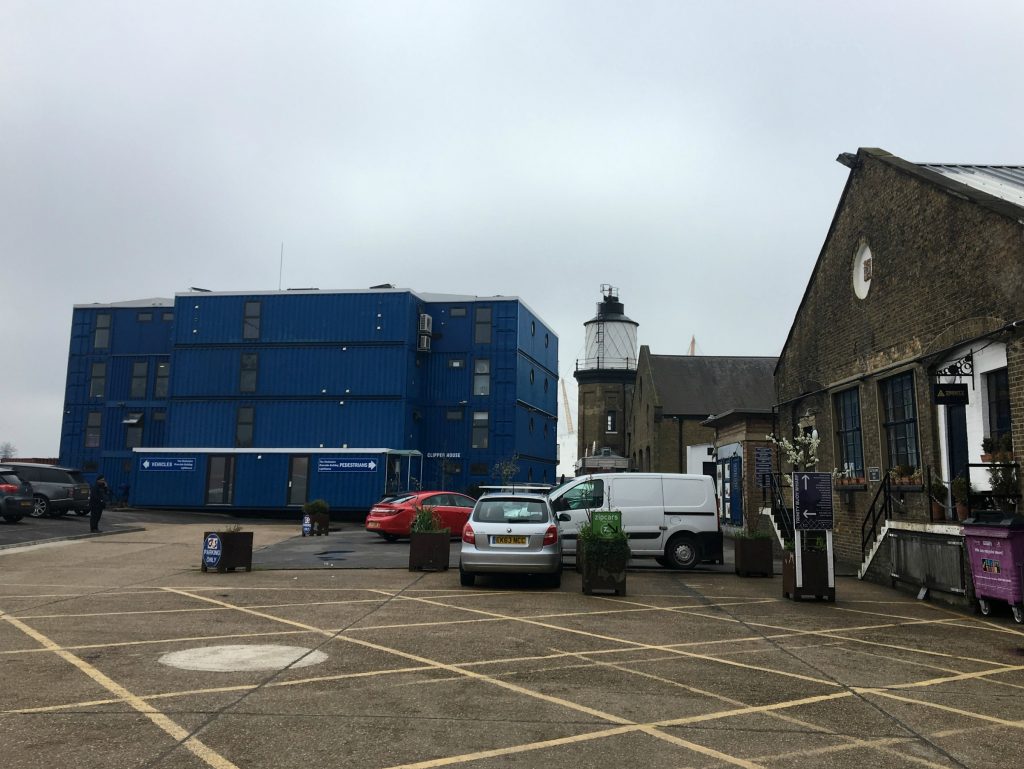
(26,503)
(510,540)
(373,525)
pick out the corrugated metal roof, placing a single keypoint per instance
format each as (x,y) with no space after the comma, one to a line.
(1004,182)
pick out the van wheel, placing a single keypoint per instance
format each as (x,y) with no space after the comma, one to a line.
(682,552)
(12,518)
(40,506)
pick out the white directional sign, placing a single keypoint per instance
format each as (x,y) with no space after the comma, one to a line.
(812,501)
(346,464)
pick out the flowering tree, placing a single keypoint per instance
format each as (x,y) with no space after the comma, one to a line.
(799,452)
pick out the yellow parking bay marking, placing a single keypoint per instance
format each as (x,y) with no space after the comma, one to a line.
(222,689)
(174,730)
(636,644)
(944,708)
(423,660)
(481,677)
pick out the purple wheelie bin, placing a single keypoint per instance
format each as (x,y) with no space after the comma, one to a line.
(995,547)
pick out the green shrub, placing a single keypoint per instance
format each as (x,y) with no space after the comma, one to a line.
(427,521)
(315,507)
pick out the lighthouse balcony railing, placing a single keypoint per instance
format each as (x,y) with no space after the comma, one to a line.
(606,362)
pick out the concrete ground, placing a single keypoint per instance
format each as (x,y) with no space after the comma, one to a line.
(693,669)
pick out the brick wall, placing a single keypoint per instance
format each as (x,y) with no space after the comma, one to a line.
(944,270)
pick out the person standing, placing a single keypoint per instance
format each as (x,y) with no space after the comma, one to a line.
(98,497)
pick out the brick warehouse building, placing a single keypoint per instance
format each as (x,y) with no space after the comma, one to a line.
(268,399)
(918,283)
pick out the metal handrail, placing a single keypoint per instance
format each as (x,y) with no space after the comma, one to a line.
(780,511)
(880,510)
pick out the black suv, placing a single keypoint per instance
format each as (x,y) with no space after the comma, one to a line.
(15,495)
(55,490)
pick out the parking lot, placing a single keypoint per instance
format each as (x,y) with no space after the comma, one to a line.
(387,668)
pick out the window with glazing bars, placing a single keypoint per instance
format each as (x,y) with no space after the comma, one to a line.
(140,375)
(482,377)
(482,325)
(251,321)
(98,380)
(900,413)
(93,429)
(163,373)
(998,386)
(101,334)
(247,377)
(244,427)
(848,433)
(480,429)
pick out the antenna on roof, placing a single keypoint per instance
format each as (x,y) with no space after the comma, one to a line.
(280,267)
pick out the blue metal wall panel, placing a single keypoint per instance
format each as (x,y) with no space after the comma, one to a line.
(292,371)
(290,424)
(299,317)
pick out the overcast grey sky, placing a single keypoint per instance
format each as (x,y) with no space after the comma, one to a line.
(682,151)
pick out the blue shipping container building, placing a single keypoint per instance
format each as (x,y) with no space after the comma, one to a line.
(267,400)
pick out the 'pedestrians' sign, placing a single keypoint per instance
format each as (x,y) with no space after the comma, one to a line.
(812,501)
(345,464)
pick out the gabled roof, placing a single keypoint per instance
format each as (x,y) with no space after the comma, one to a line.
(997,188)
(702,385)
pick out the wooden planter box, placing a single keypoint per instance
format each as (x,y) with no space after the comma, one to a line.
(429,551)
(754,557)
(815,576)
(235,551)
(601,575)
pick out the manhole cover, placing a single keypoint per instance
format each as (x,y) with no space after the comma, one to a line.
(228,659)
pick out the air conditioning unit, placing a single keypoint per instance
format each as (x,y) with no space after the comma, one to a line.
(423,341)
(426,324)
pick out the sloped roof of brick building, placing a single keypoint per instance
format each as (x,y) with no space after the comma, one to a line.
(701,385)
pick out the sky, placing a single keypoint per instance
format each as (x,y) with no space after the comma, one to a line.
(683,152)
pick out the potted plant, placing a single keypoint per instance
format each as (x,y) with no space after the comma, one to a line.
(814,560)
(753,553)
(602,552)
(227,549)
(938,494)
(316,518)
(429,541)
(961,493)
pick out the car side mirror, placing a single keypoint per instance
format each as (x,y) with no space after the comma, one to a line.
(564,517)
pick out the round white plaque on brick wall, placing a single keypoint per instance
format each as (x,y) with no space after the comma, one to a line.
(862,268)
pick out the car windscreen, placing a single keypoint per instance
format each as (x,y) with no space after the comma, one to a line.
(510,511)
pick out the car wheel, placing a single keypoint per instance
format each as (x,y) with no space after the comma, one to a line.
(389,537)
(1018,614)
(40,506)
(82,511)
(12,518)
(682,552)
(555,580)
(466,578)
(985,607)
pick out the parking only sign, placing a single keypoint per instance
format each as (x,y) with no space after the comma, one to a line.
(812,501)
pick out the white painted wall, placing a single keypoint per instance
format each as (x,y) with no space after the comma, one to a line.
(696,456)
(989,357)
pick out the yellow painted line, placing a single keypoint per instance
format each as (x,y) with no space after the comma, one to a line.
(516,749)
(959,677)
(944,708)
(195,609)
(218,690)
(752,709)
(711,752)
(425,661)
(637,644)
(117,644)
(174,730)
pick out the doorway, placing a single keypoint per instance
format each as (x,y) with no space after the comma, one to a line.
(956,441)
(298,480)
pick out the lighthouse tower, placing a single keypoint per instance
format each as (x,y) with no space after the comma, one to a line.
(606,376)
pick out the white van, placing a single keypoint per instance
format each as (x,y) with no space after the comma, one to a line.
(667,516)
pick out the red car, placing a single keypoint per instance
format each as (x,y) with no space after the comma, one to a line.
(392,516)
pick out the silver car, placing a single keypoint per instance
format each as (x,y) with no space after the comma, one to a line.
(511,534)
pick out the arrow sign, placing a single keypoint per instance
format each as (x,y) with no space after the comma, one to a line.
(812,499)
(346,464)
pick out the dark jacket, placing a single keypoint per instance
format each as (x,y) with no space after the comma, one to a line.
(99,495)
